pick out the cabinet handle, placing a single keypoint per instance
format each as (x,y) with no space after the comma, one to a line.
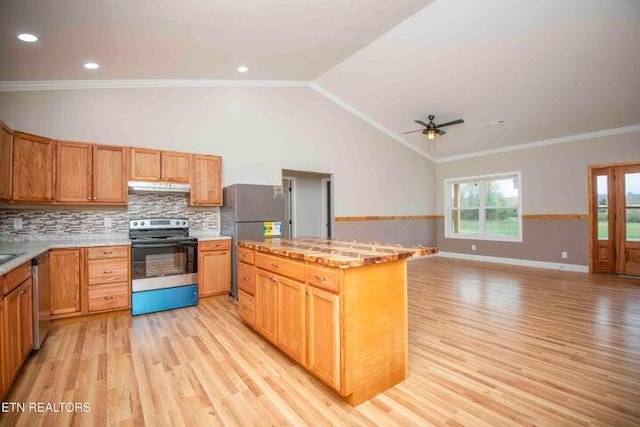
(273,279)
(22,291)
(320,278)
(246,279)
(274,265)
(107,271)
(88,197)
(107,253)
(109,297)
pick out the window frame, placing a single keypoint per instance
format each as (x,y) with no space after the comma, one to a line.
(482,179)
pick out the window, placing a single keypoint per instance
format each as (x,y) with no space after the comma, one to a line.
(484,207)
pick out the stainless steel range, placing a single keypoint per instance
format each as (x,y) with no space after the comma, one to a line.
(164,265)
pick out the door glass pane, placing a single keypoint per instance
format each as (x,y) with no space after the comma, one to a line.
(632,201)
(603,211)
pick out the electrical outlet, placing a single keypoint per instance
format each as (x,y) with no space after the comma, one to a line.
(108,222)
(17,223)
(473,247)
(564,254)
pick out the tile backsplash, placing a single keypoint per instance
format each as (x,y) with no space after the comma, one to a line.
(40,223)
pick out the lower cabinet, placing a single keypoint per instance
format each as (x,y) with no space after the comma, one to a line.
(266,305)
(214,267)
(89,280)
(323,310)
(16,325)
(65,282)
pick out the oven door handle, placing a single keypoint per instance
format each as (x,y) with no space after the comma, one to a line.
(164,245)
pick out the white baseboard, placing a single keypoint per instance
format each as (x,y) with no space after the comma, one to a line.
(520,262)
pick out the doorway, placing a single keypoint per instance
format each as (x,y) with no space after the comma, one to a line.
(614,208)
(308,204)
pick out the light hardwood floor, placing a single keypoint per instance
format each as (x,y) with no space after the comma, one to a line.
(488,345)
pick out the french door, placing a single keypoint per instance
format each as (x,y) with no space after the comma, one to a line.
(614,204)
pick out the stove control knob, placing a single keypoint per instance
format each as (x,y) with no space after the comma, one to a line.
(135,222)
(141,222)
(184,222)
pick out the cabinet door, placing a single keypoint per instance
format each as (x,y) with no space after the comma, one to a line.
(4,386)
(145,164)
(292,325)
(64,280)
(25,294)
(73,172)
(6,158)
(323,310)
(32,168)
(109,174)
(175,166)
(205,180)
(11,339)
(266,305)
(214,273)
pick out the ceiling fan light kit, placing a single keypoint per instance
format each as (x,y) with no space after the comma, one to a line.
(431,129)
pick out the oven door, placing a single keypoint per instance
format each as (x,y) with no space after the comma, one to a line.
(159,265)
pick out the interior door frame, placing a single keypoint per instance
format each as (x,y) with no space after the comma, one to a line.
(616,236)
(290,193)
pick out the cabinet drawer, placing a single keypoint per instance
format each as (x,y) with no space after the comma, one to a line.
(104,252)
(247,278)
(245,255)
(285,267)
(324,278)
(108,271)
(214,245)
(246,307)
(109,297)
(16,276)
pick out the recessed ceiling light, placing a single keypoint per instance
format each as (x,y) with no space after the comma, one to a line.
(29,38)
(91,66)
(243,69)
(494,123)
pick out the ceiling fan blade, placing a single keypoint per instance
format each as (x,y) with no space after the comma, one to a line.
(412,131)
(455,122)
(420,122)
(440,132)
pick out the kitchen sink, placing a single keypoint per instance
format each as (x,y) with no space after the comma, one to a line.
(7,257)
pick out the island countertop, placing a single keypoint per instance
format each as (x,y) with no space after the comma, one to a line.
(336,253)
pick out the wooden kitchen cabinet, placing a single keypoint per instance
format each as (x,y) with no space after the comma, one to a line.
(214,267)
(246,280)
(6,159)
(280,304)
(156,165)
(33,168)
(108,278)
(90,174)
(323,310)
(16,323)
(65,278)
(206,181)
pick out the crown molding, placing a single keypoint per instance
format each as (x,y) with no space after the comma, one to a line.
(331,97)
(545,142)
(28,86)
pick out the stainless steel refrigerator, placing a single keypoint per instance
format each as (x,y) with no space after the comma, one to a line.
(250,212)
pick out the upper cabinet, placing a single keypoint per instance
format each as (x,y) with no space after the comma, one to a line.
(155,165)
(90,174)
(32,168)
(6,157)
(206,187)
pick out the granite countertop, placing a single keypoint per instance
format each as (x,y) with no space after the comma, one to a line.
(32,248)
(336,253)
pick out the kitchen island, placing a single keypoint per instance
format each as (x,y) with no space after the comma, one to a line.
(338,308)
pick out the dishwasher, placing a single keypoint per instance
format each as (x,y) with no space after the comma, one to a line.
(41,301)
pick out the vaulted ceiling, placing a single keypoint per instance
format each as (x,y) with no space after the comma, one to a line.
(551,70)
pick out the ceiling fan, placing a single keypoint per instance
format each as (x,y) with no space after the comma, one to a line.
(431,129)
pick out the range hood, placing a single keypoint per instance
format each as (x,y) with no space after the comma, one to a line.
(158,187)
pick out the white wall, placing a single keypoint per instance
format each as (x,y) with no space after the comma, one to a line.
(257,131)
(554,177)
